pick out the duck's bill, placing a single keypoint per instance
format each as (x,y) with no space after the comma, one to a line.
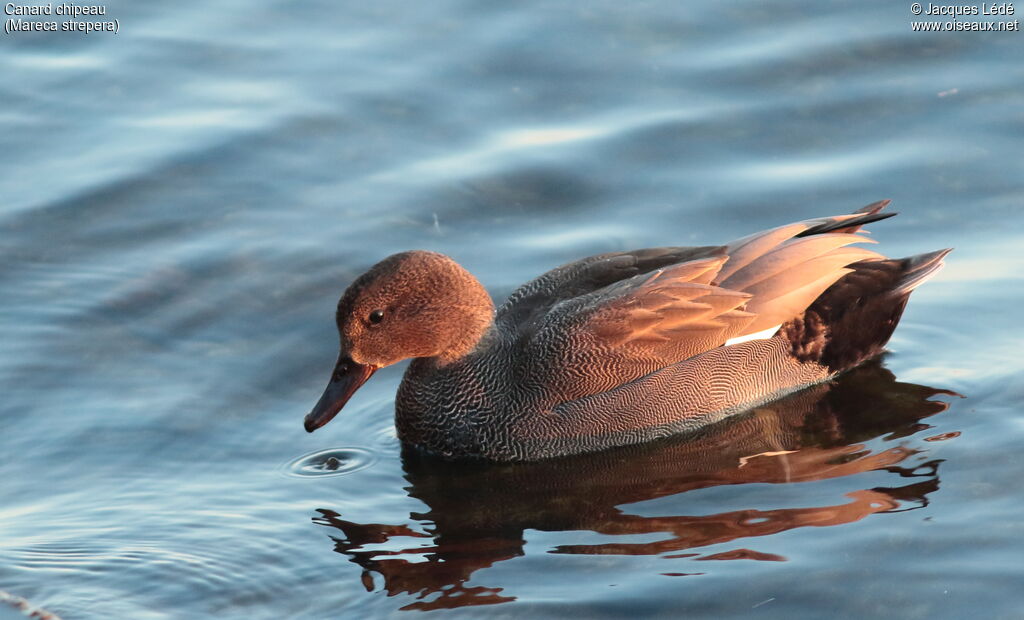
(347,378)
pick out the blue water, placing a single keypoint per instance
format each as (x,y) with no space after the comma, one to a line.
(181,203)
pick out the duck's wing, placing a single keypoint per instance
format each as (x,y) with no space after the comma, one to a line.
(639,323)
(786,268)
(531,302)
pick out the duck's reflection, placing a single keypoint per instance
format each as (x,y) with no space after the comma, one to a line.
(478,512)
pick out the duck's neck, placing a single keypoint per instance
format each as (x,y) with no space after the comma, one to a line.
(457,315)
(475,322)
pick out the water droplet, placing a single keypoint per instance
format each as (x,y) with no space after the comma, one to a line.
(332,462)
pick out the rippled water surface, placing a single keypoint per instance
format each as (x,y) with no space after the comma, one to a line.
(183,202)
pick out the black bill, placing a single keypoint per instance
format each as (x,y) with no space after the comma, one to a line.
(347,378)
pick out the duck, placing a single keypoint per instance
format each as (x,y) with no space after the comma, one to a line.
(618,348)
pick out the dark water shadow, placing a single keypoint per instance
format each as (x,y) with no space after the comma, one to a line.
(478,512)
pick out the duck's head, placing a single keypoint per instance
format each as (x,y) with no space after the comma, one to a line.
(412,304)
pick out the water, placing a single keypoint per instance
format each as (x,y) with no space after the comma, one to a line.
(184,201)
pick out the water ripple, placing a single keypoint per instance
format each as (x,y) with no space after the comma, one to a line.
(331,462)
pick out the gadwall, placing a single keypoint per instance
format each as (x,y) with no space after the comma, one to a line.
(618,348)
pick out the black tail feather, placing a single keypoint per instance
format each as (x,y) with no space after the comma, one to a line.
(920,268)
(853,319)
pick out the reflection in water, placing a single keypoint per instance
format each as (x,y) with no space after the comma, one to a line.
(479,512)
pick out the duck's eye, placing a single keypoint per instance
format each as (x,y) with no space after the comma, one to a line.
(376,316)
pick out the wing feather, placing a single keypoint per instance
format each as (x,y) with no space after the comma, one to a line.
(787,255)
(653,319)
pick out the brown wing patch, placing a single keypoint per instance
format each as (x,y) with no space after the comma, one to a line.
(792,253)
(670,314)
